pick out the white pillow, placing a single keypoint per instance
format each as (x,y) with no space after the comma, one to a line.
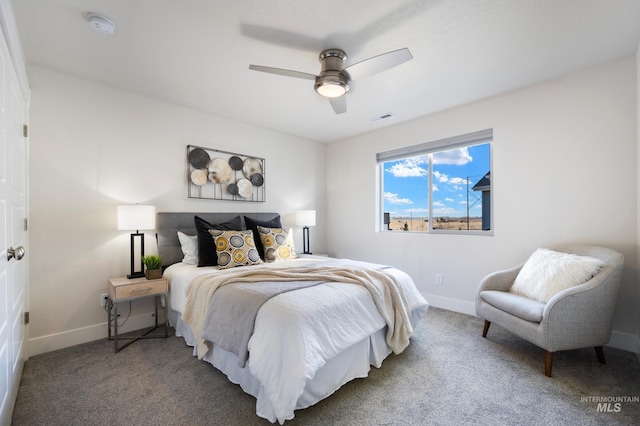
(548,272)
(189,246)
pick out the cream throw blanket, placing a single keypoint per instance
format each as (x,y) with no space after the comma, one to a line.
(387,294)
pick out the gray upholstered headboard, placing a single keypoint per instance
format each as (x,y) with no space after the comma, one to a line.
(168,224)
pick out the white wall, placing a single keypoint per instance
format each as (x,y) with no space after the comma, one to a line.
(637,344)
(564,170)
(94,147)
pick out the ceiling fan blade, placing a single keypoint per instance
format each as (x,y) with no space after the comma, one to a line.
(283,38)
(378,63)
(339,104)
(280,71)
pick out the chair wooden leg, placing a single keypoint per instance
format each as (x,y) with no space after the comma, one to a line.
(600,354)
(486,328)
(548,363)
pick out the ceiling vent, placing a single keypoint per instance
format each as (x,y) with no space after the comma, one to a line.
(382,117)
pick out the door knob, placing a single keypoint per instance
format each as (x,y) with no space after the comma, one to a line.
(18,253)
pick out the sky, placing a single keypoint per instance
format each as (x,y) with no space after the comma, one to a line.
(406,183)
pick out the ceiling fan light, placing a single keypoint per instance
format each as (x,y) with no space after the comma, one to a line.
(331,86)
(329,90)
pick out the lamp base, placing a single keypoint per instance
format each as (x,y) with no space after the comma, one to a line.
(305,240)
(135,275)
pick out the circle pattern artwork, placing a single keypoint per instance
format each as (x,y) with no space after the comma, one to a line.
(199,158)
(219,171)
(219,175)
(236,162)
(257,179)
(245,188)
(199,177)
(250,167)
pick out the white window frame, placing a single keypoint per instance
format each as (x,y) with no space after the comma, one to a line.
(461,141)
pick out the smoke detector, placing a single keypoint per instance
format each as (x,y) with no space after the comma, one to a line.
(101,23)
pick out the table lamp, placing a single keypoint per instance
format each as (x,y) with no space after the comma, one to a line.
(306,218)
(136,217)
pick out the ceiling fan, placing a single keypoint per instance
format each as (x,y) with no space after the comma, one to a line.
(333,80)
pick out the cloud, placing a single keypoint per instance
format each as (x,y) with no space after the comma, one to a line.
(394,199)
(409,167)
(458,181)
(457,157)
(444,211)
(440,177)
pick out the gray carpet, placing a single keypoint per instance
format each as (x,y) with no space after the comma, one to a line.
(449,375)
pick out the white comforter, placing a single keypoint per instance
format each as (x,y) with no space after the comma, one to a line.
(297,332)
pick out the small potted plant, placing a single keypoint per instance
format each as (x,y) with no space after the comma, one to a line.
(153,266)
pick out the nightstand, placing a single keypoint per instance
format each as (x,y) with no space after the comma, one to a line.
(125,289)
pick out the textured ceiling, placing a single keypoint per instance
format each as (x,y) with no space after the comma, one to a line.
(197,53)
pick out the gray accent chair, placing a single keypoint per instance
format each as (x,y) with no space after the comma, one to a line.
(577,317)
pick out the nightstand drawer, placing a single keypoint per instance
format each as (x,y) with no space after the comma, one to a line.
(123,288)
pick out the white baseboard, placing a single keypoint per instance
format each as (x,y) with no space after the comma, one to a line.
(65,339)
(455,305)
(624,341)
(619,340)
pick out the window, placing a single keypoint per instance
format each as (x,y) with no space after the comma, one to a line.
(442,186)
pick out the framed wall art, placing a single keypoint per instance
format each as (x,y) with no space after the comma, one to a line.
(220,175)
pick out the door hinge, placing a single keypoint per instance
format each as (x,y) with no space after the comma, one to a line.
(25,130)
(26,318)
(26,224)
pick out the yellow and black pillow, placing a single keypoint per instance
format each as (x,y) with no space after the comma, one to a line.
(235,248)
(278,244)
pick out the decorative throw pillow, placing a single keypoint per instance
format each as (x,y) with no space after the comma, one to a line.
(278,244)
(235,248)
(253,224)
(189,246)
(206,247)
(548,272)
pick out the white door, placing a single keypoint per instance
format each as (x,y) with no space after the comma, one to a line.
(13,236)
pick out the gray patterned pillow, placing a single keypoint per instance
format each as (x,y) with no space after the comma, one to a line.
(235,248)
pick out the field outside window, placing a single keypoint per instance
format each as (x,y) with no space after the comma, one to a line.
(444,186)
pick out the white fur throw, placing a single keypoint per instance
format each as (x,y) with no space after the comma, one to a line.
(548,272)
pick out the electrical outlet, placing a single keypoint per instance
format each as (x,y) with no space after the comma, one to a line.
(439,279)
(103,299)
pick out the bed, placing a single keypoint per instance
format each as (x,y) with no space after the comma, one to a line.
(307,341)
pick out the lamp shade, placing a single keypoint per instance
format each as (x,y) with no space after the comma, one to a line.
(306,218)
(136,217)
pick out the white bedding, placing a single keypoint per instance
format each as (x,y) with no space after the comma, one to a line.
(297,333)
